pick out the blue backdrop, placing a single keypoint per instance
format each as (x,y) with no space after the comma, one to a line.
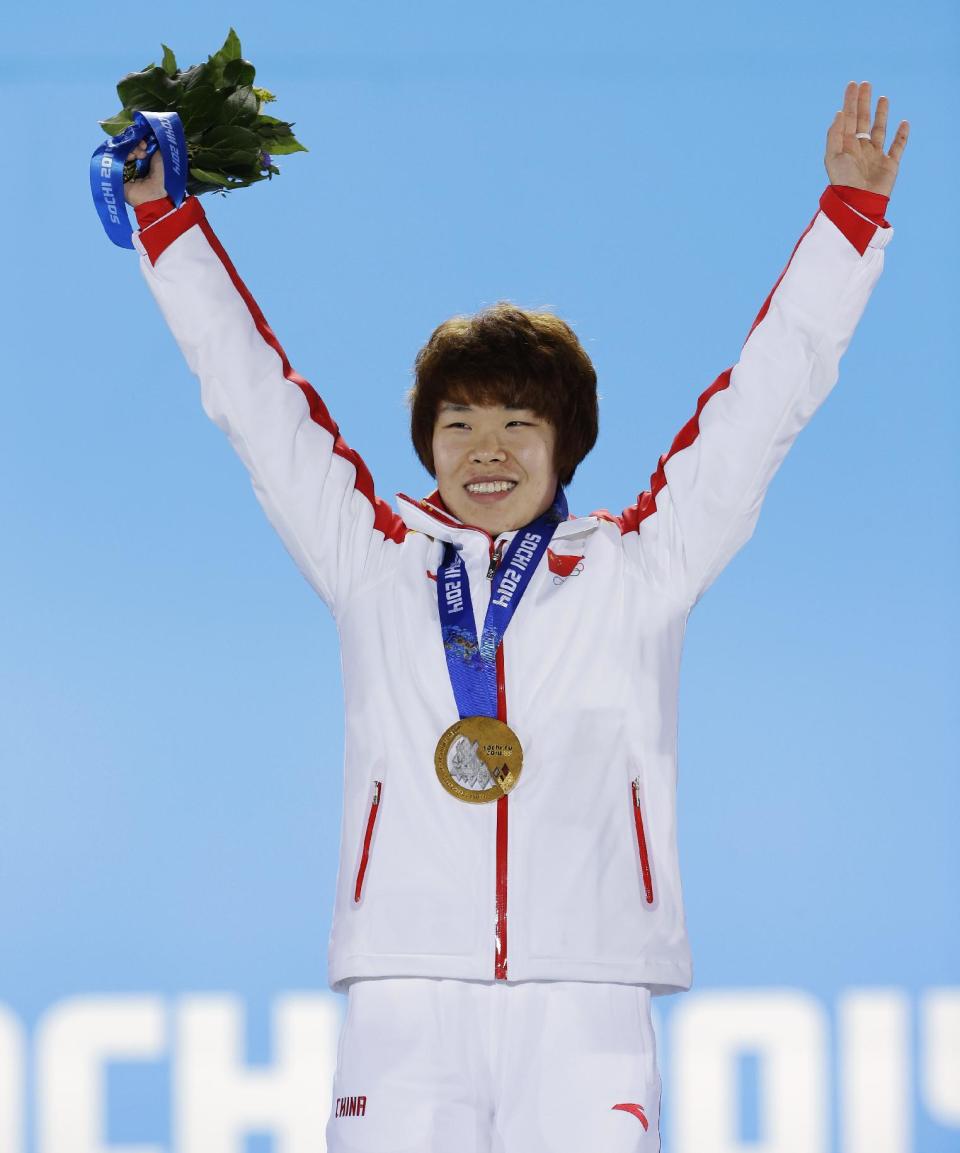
(170,706)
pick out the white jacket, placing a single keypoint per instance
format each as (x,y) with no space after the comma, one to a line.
(574,875)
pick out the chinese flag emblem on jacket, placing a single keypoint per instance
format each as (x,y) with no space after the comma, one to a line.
(562,565)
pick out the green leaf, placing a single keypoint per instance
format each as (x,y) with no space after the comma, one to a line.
(198,188)
(228,148)
(207,177)
(264,95)
(116,124)
(232,135)
(240,107)
(272,132)
(283,146)
(219,60)
(214,67)
(231,47)
(239,72)
(207,182)
(200,108)
(151,91)
(252,178)
(197,75)
(276,136)
(169,61)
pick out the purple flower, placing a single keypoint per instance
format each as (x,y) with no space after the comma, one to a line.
(265,160)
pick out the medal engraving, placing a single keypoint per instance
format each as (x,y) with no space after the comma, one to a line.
(478,759)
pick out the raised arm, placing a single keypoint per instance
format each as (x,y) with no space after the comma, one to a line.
(706,493)
(316,490)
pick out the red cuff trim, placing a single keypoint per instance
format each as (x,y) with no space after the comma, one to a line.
(158,237)
(872,204)
(151,211)
(857,230)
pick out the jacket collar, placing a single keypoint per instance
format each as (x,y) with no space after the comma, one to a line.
(432,519)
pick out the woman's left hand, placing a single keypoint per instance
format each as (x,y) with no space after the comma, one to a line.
(863,163)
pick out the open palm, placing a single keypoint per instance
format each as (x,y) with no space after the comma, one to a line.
(862,163)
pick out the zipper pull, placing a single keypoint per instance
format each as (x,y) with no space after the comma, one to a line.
(495,560)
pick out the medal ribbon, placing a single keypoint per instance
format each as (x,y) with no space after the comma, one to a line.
(162,130)
(472,662)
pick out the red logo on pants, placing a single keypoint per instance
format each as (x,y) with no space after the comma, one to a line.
(637,1111)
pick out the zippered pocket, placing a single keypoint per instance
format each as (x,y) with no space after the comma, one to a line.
(367,838)
(645,869)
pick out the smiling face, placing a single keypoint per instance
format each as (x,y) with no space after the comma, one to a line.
(495,465)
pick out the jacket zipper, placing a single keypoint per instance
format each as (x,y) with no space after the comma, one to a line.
(503,812)
(367,837)
(495,556)
(500,930)
(642,844)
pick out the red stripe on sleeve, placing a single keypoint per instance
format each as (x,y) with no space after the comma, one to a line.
(384,518)
(766,304)
(631,518)
(159,236)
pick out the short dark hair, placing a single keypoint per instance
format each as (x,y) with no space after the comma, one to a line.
(510,356)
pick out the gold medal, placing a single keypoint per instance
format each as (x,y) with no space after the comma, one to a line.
(478,759)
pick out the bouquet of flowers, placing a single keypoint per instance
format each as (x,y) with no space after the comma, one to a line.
(230,142)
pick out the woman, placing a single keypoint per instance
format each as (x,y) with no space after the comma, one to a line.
(508,896)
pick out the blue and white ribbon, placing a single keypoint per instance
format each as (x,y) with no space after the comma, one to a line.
(161,130)
(472,661)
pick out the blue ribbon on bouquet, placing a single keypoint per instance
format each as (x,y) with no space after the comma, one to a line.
(161,130)
(472,661)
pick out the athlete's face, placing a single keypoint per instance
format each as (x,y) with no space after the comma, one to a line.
(495,466)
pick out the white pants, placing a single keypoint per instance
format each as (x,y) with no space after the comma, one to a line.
(436,1065)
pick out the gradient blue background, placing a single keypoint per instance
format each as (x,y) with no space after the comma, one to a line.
(170,702)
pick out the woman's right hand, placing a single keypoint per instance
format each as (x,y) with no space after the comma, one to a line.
(149,187)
